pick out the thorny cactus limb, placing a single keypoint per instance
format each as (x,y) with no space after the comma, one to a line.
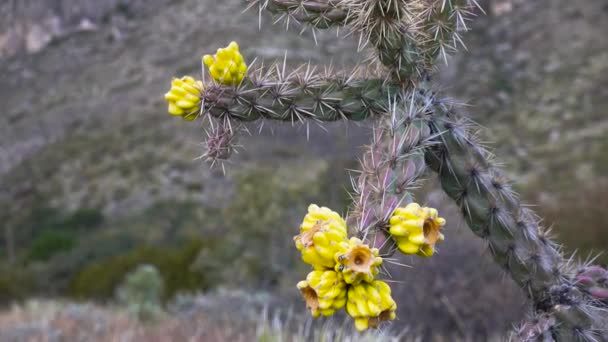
(409,35)
(221,140)
(298,96)
(320,14)
(515,238)
(391,167)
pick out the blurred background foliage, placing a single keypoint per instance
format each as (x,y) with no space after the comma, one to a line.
(96,179)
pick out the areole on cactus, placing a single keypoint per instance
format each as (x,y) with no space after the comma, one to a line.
(414,130)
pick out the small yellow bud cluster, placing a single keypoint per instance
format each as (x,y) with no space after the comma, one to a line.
(416,229)
(370,303)
(344,271)
(184,97)
(227,65)
(324,292)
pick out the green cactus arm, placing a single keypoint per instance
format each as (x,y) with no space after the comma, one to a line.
(391,166)
(494,212)
(296,98)
(409,35)
(320,14)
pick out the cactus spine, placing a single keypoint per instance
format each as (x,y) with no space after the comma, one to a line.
(413,130)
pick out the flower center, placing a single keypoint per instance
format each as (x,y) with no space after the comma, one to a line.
(307,237)
(374,322)
(360,259)
(431,231)
(311,298)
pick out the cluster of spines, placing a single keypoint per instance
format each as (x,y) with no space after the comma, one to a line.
(408,36)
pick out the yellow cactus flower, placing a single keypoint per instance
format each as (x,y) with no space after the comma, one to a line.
(416,229)
(370,303)
(184,97)
(227,65)
(324,292)
(357,261)
(320,235)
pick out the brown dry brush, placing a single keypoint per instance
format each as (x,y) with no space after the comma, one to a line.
(415,130)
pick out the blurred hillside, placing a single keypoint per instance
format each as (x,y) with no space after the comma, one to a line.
(95,177)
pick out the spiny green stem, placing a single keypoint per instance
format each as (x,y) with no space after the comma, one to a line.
(320,14)
(392,164)
(494,212)
(297,98)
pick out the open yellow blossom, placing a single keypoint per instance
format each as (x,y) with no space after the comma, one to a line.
(324,292)
(184,97)
(357,261)
(227,65)
(370,304)
(416,229)
(320,235)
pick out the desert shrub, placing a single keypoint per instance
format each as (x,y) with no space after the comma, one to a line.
(49,243)
(100,279)
(83,218)
(141,292)
(15,284)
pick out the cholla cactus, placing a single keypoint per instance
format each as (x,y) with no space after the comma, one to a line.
(414,130)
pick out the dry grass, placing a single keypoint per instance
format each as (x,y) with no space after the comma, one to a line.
(45,320)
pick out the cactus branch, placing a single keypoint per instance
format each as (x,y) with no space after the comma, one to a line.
(320,14)
(515,238)
(297,97)
(392,165)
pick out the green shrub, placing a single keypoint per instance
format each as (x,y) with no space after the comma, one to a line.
(49,243)
(84,218)
(141,292)
(99,280)
(15,285)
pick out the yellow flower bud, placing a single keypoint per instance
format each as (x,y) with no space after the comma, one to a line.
(370,304)
(416,229)
(321,233)
(227,66)
(184,97)
(324,292)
